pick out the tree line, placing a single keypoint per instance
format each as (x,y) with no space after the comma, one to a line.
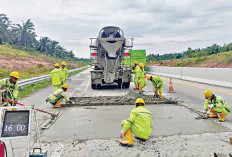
(24,35)
(192,53)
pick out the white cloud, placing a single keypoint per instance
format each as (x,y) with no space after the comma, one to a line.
(160,26)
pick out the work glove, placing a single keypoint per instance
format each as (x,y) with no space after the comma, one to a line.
(121,134)
(211,106)
(157,86)
(70,102)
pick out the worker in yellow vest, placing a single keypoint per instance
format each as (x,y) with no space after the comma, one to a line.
(10,87)
(136,72)
(139,123)
(58,96)
(55,76)
(64,72)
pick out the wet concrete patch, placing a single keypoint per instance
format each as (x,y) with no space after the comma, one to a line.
(128,99)
(80,123)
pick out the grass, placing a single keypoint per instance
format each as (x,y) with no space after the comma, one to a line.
(15,52)
(224,59)
(31,88)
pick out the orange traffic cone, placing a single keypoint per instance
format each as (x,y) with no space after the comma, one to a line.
(171,89)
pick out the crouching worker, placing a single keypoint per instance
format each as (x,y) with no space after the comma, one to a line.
(139,124)
(158,85)
(217,106)
(58,96)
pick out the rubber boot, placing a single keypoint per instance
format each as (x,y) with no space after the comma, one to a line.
(161,96)
(156,94)
(140,89)
(129,139)
(57,105)
(222,117)
(213,115)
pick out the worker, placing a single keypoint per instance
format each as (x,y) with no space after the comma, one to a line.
(158,85)
(58,96)
(55,76)
(139,123)
(64,72)
(141,78)
(10,87)
(136,72)
(217,106)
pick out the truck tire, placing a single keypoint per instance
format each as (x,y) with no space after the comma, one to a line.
(96,86)
(126,84)
(93,86)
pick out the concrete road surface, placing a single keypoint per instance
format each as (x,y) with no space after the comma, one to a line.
(94,131)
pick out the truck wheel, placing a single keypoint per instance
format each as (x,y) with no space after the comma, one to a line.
(98,86)
(126,84)
(93,86)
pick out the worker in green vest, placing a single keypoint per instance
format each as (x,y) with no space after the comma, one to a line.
(64,72)
(139,123)
(141,77)
(158,85)
(55,76)
(217,106)
(136,72)
(10,87)
(58,96)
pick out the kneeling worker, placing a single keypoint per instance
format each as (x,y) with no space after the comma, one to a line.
(57,97)
(218,107)
(139,124)
(158,85)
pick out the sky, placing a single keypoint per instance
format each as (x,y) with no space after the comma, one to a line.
(159,26)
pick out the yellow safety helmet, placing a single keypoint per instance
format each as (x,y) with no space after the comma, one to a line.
(15,74)
(57,65)
(136,62)
(208,94)
(141,65)
(65,85)
(148,77)
(63,63)
(140,100)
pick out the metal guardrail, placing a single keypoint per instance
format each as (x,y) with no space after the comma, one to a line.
(44,77)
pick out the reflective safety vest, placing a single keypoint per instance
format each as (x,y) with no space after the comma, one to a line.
(12,87)
(55,76)
(140,122)
(56,96)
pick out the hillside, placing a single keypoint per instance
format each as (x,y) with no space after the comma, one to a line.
(220,60)
(29,63)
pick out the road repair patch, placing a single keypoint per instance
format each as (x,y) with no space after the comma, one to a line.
(79,123)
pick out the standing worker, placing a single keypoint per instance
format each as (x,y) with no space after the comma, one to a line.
(139,123)
(217,106)
(55,76)
(10,87)
(158,85)
(141,77)
(64,72)
(57,97)
(136,72)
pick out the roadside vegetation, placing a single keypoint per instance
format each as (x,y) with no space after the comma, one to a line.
(21,50)
(220,60)
(211,56)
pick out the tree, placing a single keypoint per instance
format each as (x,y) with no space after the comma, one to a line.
(52,46)
(44,44)
(27,34)
(4,24)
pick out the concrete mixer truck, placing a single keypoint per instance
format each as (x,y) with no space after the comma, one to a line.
(110,55)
